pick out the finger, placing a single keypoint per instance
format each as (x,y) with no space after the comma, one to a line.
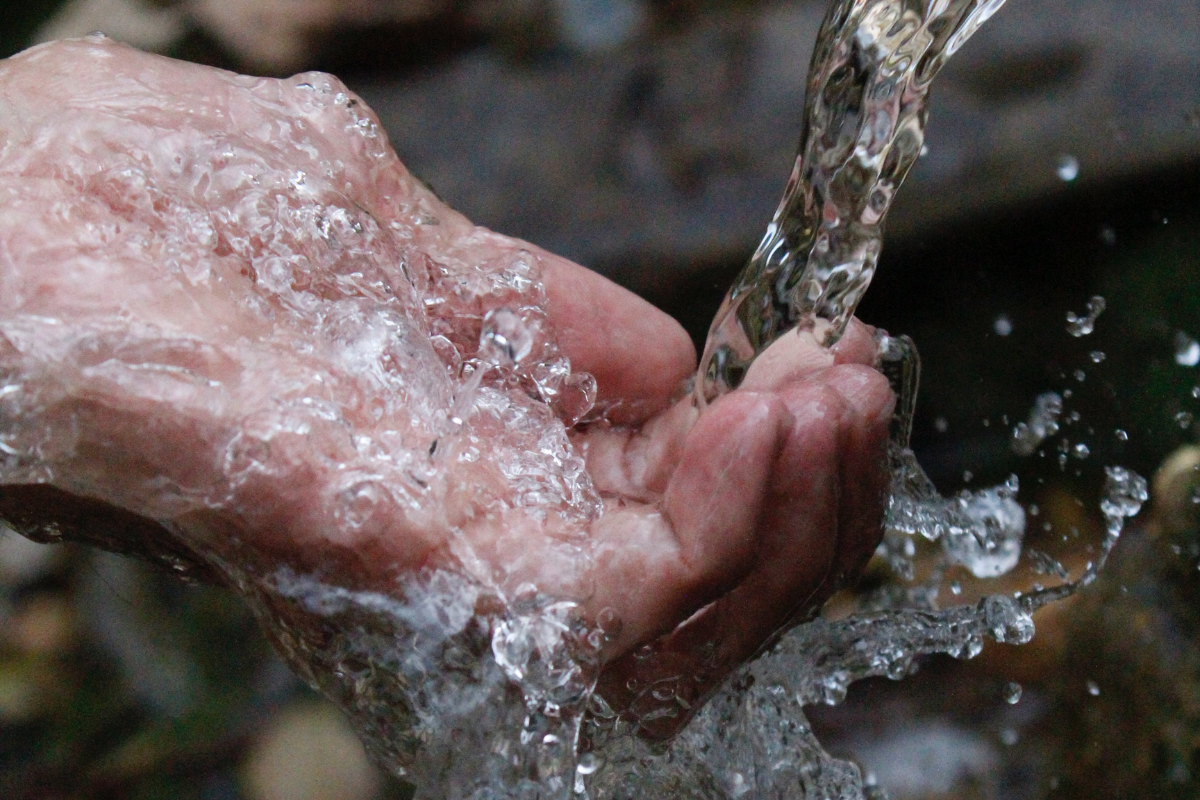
(795,356)
(858,345)
(798,355)
(639,355)
(792,558)
(865,477)
(637,463)
(654,568)
(821,520)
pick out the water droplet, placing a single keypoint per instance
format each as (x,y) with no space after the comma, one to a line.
(1093,688)
(1067,168)
(1003,325)
(1187,350)
(1124,493)
(1080,375)
(1184,419)
(941,425)
(1082,326)
(1012,693)
(1009,737)
(1081,451)
(1108,236)
(968,476)
(1097,356)
(505,339)
(955,588)
(1196,392)
(1122,436)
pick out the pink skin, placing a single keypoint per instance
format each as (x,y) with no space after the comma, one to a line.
(718,527)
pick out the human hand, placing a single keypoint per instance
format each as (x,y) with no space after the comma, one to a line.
(233,323)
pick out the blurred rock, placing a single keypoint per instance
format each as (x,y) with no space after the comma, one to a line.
(309,752)
(23,561)
(273,36)
(20,695)
(44,624)
(277,36)
(674,150)
(149,26)
(926,758)
(120,614)
(1176,492)
(597,25)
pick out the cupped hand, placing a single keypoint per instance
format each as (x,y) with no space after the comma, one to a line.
(233,327)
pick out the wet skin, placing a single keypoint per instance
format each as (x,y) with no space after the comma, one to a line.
(719,527)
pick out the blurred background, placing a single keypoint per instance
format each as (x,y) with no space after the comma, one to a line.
(650,140)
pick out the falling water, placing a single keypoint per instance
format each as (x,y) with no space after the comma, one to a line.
(864,128)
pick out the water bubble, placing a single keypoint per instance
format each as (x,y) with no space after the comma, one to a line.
(1196,392)
(1009,737)
(941,425)
(1067,168)
(1122,436)
(1097,356)
(1108,236)
(506,339)
(1093,688)
(955,588)
(1012,693)
(1187,350)
(968,476)
(1124,493)
(1082,326)
(1080,375)
(1081,451)
(1184,419)
(1003,325)
(1042,423)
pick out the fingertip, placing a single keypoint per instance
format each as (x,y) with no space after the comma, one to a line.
(858,345)
(864,466)
(866,391)
(792,357)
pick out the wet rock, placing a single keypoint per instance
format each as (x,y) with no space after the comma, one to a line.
(309,752)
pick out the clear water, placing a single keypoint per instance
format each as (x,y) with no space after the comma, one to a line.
(464,682)
(864,127)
